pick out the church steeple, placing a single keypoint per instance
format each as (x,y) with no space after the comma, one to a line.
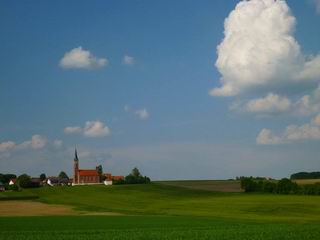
(75,155)
(75,168)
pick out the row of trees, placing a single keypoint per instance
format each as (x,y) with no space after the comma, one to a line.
(305,175)
(283,186)
(134,177)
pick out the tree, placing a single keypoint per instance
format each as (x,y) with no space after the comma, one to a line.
(135,172)
(286,186)
(135,178)
(43,176)
(24,181)
(248,184)
(62,174)
(99,169)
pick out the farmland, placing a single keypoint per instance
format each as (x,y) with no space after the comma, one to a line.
(164,211)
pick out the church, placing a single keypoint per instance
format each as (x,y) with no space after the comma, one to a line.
(90,176)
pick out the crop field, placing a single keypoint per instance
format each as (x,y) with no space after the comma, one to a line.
(148,227)
(160,211)
(307,181)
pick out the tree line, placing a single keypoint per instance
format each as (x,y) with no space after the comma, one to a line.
(283,186)
(305,175)
(134,177)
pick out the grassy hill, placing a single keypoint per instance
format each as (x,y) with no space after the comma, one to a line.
(160,199)
(162,211)
(209,185)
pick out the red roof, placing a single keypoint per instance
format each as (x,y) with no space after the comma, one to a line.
(88,172)
(14,180)
(118,177)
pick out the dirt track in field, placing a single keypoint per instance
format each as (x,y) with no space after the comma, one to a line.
(32,208)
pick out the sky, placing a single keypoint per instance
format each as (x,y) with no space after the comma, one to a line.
(179,89)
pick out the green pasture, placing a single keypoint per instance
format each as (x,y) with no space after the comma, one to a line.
(159,199)
(159,211)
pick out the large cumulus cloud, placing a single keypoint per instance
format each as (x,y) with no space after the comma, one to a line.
(259,49)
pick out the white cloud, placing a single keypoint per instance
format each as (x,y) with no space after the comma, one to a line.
(271,103)
(142,114)
(126,108)
(81,58)
(6,146)
(259,49)
(267,137)
(58,143)
(91,129)
(36,142)
(128,60)
(308,104)
(72,129)
(293,133)
(96,129)
(317,3)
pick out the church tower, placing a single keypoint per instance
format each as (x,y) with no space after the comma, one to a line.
(75,168)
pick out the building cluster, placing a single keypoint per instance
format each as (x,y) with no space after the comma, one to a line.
(91,176)
(80,177)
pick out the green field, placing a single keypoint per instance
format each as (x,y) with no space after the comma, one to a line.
(162,211)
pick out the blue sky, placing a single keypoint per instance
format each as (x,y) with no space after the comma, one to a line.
(135,83)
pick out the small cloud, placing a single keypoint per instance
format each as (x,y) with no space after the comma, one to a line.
(317,3)
(126,108)
(292,133)
(266,137)
(72,130)
(36,142)
(6,146)
(96,129)
(142,114)
(79,58)
(57,143)
(272,103)
(128,60)
(91,129)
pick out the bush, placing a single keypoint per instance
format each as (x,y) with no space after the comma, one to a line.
(248,184)
(24,181)
(286,186)
(13,187)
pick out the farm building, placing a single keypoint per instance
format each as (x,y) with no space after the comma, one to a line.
(13,181)
(56,181)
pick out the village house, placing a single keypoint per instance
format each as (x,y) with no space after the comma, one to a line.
(13,181)
(56,181)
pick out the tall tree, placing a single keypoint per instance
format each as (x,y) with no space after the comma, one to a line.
(62,174)
(99,169)
(43,176)
(135,172)
(24,181)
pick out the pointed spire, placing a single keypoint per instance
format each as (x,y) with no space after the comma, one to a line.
(76,155)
